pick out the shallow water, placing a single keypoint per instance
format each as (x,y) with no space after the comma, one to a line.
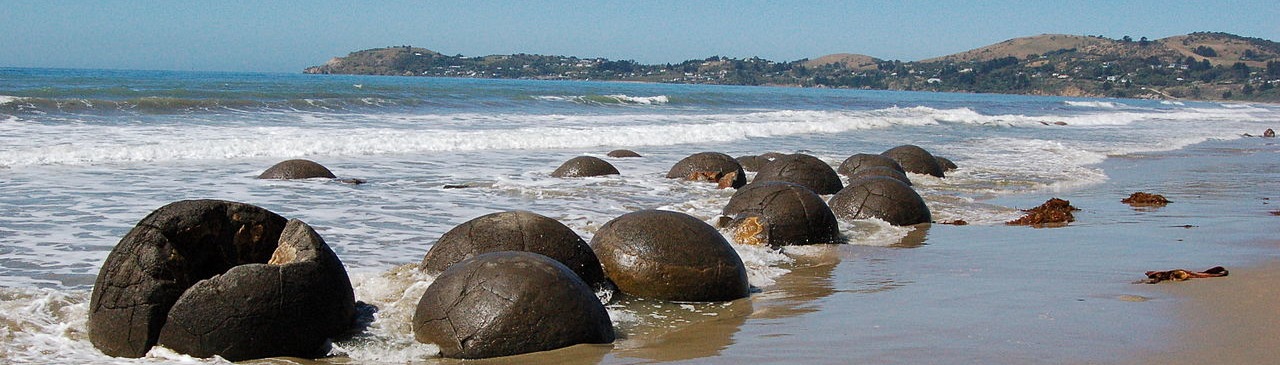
(86,154)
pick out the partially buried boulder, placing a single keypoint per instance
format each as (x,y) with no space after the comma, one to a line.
(802,169)
(710,166)
(508,303)
(209,277)
(880,197)
(915,159)
(880,171)
(584,166)
(296,169)
(780,213)
(860,161)
(515,231)
(622,154)
(669,256)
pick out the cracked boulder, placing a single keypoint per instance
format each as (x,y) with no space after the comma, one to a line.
(296,169)
(508,303)
(880,197)
(880,171)
(915,160)
(515,231)
(210,277)
(860,161)
(777,213)
(584,166)
(670,256)
(710,166)
(806,170)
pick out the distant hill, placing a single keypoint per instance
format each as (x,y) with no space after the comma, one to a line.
(1202,66)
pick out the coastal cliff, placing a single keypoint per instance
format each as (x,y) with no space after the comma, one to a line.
(1198,66)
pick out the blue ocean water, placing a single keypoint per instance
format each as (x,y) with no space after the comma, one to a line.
(85,154)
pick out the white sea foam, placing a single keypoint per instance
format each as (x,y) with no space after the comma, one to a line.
(644,100)
(6,99)
(1095,104)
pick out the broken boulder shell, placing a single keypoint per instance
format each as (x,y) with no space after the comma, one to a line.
(880,197)
(508,303)
(584,166)
(777,213)
(670,256)
(710,166)
(915,160)
(802,169)
(296,169)
(210,277)
(515,231)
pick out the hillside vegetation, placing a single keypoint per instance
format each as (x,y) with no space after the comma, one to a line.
(1204,66)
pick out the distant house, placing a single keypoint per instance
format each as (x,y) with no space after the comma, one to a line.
(933,80)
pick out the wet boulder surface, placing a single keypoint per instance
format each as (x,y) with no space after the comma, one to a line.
(860,161)
(802,169)
(880,171)
(210,277)
(585,166)
(946,163)
(880,197)
(296,169)
(777,213)
(507,303)
(515,231)
(669,256)
(915,160)
(710,166)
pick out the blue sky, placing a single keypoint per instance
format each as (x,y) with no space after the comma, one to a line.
(286,36)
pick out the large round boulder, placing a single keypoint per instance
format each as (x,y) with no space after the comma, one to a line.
(515,231)
(623,154)
(801,169)
(296,169)
(508,303)
(861,161)
(915,159)
(670,256)
(209,277)
(880,197)
(710,166)
(880,171)
(780,213)
(583,166)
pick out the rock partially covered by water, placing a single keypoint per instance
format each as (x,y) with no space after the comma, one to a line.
(860,161)
(752,163)
(209,277)
(515,231)
(915,159)
(710,166)
(622,154)
(670,256)
(880,197)
(508,303)
(780,213)
(296,169)
(946,163)
(802,169)
(880,171)
(584,166)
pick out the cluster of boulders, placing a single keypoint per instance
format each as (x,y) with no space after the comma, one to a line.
(209,277)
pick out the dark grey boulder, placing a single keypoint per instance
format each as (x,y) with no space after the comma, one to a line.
(772,155)
(508,303)
(710,166)
(777,213)
(946,164)
(915,160)
(669,256)
(515,231)
(802,169)
(583,166)
(880,171)
(144,290)
(296,169)
(860,161)
(880,197)
(751,163)
(622,154)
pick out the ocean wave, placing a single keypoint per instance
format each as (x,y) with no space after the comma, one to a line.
(177,105)
(7,99)
(611,99)
(1095,104)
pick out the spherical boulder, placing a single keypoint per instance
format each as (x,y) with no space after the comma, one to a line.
(780,213)
(915,159)
(296,169)
(880,197)
(710,166)
(880,171)
(669,256)
(860,161)
(622,154)
(946,163)
(802,169)
(583,166)
(515,231)
(508,303)
(751,163)
(209,277)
